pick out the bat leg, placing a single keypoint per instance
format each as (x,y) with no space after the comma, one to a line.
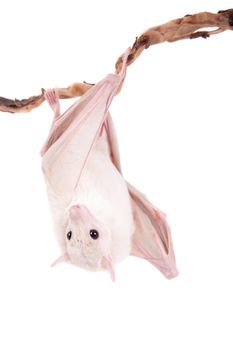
(52,97)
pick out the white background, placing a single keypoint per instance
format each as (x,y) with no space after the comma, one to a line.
(174,124)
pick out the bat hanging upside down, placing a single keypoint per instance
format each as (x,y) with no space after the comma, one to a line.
(99,218)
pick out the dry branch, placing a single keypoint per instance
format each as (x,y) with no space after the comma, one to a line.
(187,27)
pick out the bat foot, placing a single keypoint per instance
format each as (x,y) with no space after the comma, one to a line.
(52,97)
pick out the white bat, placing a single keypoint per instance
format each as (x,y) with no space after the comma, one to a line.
(99,218)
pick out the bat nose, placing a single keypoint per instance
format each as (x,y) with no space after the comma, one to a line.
(75,211)
(75,207)
(78,211)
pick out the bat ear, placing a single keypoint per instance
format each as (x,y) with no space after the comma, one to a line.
(108,265)
(61,259)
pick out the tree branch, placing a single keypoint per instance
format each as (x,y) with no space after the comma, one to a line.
(187,27)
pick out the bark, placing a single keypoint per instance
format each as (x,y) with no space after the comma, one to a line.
(187,27)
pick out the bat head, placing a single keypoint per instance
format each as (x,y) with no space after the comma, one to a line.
(88,242)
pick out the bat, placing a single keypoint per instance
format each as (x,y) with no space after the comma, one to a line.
(99,218)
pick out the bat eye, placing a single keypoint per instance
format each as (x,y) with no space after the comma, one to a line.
(69,235)
(94,234)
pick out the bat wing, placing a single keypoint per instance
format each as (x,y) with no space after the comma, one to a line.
(152,238)
(73,135)
(113,143)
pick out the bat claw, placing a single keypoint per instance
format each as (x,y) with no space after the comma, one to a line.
(52,97)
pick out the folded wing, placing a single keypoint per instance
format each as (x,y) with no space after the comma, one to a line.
(152,237)
(74,134)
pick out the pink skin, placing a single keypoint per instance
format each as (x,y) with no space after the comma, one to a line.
(51,96)
(79,212)
(72,138)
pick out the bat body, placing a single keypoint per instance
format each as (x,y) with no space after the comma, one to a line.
(99,218)
(104,192)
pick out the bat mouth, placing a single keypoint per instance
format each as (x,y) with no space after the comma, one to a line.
(81,260)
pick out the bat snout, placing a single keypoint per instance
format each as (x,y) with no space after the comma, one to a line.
(74,211)
(78,211)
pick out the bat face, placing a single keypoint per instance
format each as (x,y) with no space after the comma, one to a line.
(87,240)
